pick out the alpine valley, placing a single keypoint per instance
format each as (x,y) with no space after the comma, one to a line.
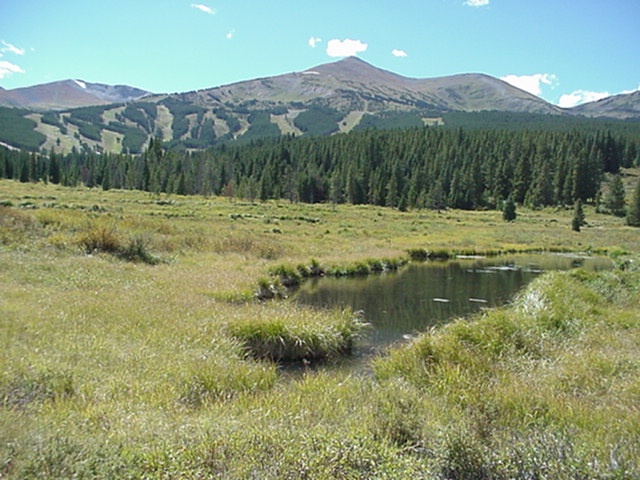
(346,95)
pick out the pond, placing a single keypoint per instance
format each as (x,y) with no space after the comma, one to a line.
(419,296)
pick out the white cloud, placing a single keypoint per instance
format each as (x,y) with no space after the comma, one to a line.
(314,41)
(477,3)
(345,48)
(632,91)
(231,33)
(11,48)
(7,69)
(204,8)
(399,53)
(579,97)
(531,83)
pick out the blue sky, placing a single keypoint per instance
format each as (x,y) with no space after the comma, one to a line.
(566,51)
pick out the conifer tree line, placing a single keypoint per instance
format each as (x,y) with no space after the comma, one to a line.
(415,168)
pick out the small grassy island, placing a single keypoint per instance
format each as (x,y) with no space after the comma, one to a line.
(144,335)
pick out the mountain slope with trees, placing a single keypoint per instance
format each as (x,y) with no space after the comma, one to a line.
(337,97)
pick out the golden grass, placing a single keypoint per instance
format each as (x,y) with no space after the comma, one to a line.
(111,368)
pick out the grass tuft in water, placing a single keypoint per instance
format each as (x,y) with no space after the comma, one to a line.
(298,335)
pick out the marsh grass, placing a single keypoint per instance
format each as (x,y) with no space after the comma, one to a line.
(213,381)
(287,278)
(298,334)
(115,369)
(106,239)
(556,364)
(27,389)
(366,267)
(15,226)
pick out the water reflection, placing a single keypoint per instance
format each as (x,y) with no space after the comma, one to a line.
(424,295)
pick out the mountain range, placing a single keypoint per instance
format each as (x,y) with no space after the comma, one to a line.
(356,86)
(326,99)
(68,94)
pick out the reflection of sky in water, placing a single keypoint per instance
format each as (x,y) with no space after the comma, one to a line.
(423,295)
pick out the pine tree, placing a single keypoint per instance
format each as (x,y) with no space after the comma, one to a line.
(436,197)
(540,193)
(578,216)
(181,187)
(403,203)
(335,189)
(615,202)
(54,168)
(24,171)
(391,199)
(106,180)
(509,210)
(633,214)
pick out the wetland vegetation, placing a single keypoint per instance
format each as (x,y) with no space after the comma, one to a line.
(423,295)
(132,344)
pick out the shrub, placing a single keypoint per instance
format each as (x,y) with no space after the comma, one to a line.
(269,291)
(418,254)
(15,226)
(137,249)
(509,213)
(100,238)
(105,239)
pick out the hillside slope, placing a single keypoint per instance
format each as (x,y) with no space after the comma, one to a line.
(326,99)
(67,94)
(353,84)
(626,105)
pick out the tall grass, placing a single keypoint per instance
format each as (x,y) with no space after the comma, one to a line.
(113,369)
(543,387)
(298,334)
(106,239)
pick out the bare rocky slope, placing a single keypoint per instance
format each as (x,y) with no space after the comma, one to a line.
(67,94)
(625,105)
(353,84)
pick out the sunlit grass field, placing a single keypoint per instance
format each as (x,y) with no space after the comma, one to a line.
(132,346)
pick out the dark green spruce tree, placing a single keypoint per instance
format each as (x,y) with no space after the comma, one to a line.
(633,214)
(614,201)
(578,216)
(509,210)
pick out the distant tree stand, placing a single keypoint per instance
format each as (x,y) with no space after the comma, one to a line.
(578,217)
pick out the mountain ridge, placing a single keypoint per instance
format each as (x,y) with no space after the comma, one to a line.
(65,94)
(623,105)
(352,83)
(322,100)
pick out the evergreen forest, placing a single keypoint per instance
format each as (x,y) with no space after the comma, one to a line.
(411,168)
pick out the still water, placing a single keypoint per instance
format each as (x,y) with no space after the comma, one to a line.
(419,296)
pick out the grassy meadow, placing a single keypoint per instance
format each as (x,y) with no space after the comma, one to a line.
(132,345)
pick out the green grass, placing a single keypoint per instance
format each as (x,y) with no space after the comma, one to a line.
(297,334)
(111,368)
(547,383)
